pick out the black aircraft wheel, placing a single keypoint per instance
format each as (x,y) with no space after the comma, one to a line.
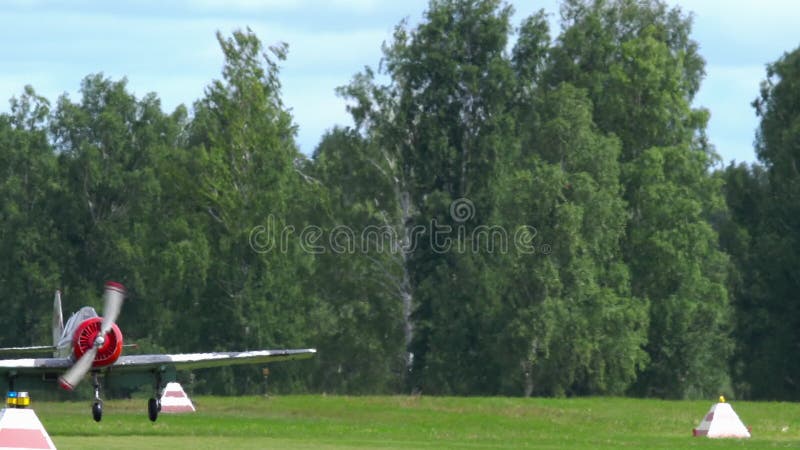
(153,407)
(97,411)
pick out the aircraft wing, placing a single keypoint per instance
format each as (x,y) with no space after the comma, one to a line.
(129,370)
(37,349)
(189,361)
(34,365)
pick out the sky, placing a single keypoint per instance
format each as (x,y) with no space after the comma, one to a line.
(170,48)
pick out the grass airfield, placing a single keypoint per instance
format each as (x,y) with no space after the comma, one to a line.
(332,422)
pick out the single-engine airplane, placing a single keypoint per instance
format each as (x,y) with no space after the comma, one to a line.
(90,344)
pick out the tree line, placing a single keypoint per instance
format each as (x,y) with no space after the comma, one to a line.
(515,211)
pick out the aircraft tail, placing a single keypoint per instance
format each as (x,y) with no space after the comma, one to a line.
(58,328)
(58,319)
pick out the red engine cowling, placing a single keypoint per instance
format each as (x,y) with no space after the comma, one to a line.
(84,338)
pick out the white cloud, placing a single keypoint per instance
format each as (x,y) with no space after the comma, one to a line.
(170,48)
(727,92)
(325,50)
(738,16)
(244,5)
(12,85)
(250,6)
(745,77)
(736,150)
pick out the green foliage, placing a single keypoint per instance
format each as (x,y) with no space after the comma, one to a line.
(239,167)
(580,152)
(110,211)
(29,241)
(111,187)
(571,311)
(641,71)
(361,348)
(447,112)
(639,66)
(762,237)
(677,265)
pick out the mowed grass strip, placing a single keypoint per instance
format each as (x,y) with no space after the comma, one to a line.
(332,422)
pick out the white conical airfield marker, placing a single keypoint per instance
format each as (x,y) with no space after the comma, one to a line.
(20,428)
(721,422)
(175,400)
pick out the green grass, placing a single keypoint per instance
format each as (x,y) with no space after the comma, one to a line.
(320,422)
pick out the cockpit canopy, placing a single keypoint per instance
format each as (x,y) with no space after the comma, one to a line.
(87,312)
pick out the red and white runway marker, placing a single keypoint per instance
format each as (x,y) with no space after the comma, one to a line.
(21,429)
(175,400)
(721,421)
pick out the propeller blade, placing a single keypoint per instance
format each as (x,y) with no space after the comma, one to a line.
(114,295)
(75,374)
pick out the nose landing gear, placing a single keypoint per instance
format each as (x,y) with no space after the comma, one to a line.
(97,411)
(97,405)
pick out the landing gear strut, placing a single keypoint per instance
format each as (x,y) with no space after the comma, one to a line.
(154,404)
(97,405)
